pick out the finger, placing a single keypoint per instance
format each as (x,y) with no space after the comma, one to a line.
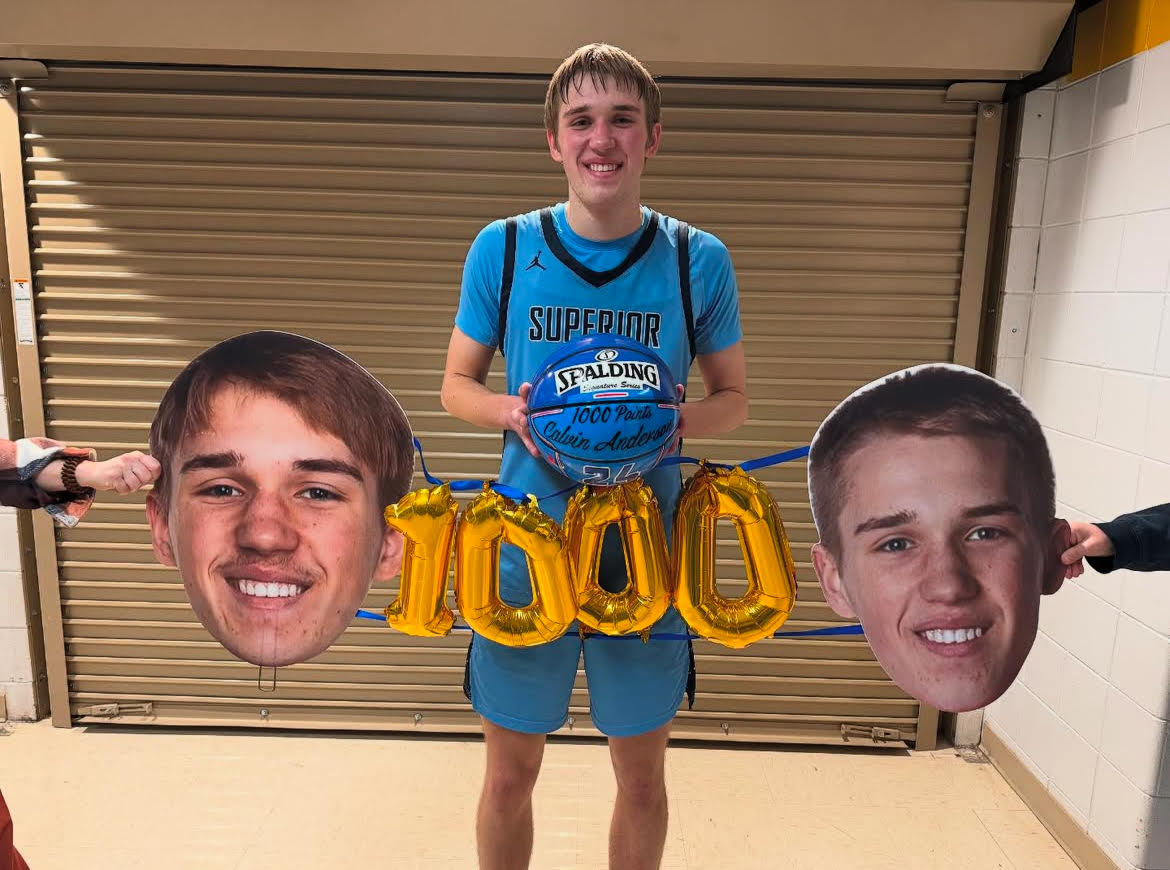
(681,391)
(1078,568)
(525,389)
(529,443)
(1073,554)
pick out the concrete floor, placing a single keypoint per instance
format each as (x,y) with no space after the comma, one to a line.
(130,799)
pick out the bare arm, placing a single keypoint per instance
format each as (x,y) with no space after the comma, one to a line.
(465,394)
(725,406)
(126,473)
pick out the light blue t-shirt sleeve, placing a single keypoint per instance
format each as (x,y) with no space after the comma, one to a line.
(478,316)
(714,294)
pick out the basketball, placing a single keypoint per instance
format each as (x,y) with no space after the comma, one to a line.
(603,409)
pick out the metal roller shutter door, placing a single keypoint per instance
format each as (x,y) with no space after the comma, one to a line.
(172,208)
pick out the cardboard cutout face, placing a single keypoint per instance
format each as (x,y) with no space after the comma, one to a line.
(273,519)
(941,544)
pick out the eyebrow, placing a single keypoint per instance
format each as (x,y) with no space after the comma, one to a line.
(227,459)
(886,522)
(232,459)
(993,510)
(581,110)
(330,466)
(889,521)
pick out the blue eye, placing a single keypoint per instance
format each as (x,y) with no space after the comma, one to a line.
(220,490)
(986,534)
(319,493)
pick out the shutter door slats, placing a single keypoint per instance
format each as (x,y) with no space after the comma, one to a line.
(173,208)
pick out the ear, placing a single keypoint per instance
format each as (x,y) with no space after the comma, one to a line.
(160,531)
(390,561)
(654,141)
(553,148)
(1060,538)
(826,568)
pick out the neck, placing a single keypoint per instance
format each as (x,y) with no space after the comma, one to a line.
(602,225)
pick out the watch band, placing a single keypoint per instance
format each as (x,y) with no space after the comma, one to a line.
(69,474)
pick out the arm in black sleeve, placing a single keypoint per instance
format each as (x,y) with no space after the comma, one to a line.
(1141,541)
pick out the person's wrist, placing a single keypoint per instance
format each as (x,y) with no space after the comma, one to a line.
(85,474)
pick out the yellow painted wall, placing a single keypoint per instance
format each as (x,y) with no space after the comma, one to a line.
(1113,30)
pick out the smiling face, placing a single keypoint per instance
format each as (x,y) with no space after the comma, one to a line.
(941,564)
(275,527)
(603,141)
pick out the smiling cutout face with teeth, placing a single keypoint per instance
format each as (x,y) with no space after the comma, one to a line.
(278,457)
(943,542)
(276,529)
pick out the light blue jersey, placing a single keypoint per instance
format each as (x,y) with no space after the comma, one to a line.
(564,287)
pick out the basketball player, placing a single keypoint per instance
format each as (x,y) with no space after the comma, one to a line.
(599,262)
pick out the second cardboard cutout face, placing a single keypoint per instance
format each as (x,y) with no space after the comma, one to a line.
(933,494)
(279,455)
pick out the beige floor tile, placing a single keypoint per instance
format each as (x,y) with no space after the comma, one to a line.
(129,799)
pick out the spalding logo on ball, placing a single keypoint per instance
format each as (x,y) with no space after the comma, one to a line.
(603,409)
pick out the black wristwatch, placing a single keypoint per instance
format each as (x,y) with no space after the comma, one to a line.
(69,474)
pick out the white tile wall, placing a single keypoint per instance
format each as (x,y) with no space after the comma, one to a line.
(1056,257)
(1141,666)
(1020,274)
(1036,132)
(1132,331)
(20,700)
(1145,254)
(1013,328)
(1092,477)
(1158,421)
(1126,816)
(1029,197)
(1073,122)
(1090,713)
(1149,165)
(1146,597)
(1063,396)
(1010,370)
(1109,187)
(1076,766)
(1154,106)
(1162,359)
(1134,742)
(1124,410)
(12,613)
(1118,94)
(15,666)
(1044,670)
(1064,191)
(1098,253)
(1083,699)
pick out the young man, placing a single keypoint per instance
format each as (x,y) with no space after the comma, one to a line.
(1139,541)
(279,455)
(933,493)
(599,262)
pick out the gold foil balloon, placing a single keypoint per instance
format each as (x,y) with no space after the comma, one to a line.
(486,523)
(647,596)
(771,574)
(426,518)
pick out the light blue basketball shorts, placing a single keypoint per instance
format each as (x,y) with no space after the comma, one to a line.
(634,687)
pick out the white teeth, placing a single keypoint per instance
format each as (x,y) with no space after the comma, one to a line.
(952,635)
(268,590)
(603,167)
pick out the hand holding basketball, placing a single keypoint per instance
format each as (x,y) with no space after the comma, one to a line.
(515,417)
